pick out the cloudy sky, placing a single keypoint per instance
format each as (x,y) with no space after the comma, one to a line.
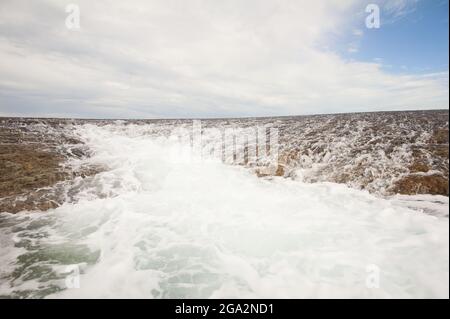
(215,58)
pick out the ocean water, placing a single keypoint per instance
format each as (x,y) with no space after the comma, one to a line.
(159,222)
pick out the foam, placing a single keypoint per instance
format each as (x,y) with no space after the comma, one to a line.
(164,226)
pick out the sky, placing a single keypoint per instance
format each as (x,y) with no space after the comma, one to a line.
(214,58)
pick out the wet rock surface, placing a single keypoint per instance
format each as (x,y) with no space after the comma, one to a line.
(428,173)
(33,159)
(435,184)
(385,153)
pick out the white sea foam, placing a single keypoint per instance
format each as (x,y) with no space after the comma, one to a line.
(159,225)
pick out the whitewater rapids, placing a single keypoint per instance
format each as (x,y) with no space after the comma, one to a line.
(157,225)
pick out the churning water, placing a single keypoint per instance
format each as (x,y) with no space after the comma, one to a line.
(156,224)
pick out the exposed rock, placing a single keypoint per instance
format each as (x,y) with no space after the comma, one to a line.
(368,150)
(440,136)
(363,150)
(32,162)
(422,184)
(280,170)
(25,167)
(419,166)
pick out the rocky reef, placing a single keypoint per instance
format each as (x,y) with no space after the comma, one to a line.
(34,156)
(384,153)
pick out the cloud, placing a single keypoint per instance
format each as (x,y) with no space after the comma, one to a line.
(193,58)
(398,8)
(353,48)
(358,32)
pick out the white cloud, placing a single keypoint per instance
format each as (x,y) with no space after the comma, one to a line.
(358,32)
(353,48)
(192,58)
(398,8)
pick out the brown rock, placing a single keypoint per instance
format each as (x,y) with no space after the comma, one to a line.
(31,165)
(422,184)
(25,167)
(280,170)
(419,167)
(440,136)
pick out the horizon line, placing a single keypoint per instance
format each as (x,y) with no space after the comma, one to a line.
(213,118)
